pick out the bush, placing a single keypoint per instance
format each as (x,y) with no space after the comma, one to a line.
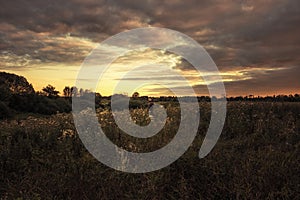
(5,111)
(135,103)
(63,105)
(39,104)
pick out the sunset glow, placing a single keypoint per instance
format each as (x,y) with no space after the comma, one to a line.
(254,49)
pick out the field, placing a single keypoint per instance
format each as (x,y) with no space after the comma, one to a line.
(257,157)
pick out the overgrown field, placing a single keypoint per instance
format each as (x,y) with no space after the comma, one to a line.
(257,157)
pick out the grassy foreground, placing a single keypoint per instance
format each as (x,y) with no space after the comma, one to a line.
(257,157)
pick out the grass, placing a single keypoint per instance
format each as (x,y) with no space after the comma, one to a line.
(257,157)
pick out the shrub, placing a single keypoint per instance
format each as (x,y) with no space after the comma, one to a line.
(5,111)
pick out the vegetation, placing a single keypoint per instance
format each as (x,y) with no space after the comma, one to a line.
(257,157)
(42,156)
(50,91)
(18,96)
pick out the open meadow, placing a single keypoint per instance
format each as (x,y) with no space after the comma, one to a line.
(256,157)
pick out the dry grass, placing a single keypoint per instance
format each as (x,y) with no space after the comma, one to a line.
(257,157)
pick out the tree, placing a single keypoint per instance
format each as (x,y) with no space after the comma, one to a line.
(81,91)
(74,91)
(15,84)
(67,91)
(5,93)
(97,99)
(50,91)
(135,95)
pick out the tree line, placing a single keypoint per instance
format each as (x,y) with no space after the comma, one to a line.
(19,96)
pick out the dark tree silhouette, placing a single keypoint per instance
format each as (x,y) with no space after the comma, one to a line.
(50,91)
(67,91)
(15,84)
(74,91)
(135,95)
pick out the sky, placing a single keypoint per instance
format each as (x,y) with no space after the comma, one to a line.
(255,44)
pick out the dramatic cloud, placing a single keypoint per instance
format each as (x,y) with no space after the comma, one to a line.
(255,44)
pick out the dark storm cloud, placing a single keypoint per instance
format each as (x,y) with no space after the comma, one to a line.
(245,26)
